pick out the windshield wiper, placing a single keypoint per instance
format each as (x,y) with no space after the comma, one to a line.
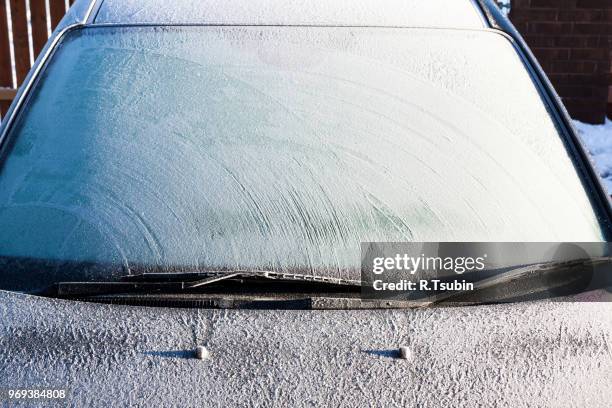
(565,278)
(207,281)
(267,289)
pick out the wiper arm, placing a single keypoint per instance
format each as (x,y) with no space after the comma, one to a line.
(522,273)
(198,279)
(201,281)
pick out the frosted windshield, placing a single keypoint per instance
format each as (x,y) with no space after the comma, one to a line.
(282,148)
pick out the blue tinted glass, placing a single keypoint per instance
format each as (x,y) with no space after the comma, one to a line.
(281,148)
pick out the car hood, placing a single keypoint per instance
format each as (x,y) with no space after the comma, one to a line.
(530,354)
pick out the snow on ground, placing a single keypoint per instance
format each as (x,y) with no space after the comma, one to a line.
(598,141)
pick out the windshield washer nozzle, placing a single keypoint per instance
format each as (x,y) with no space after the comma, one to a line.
(201,353)
(405,353)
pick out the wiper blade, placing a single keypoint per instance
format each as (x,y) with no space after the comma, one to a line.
(242,281)
(523,273)
(67,289)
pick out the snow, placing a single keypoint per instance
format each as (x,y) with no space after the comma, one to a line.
(416,13)
(598,141)
(515,355)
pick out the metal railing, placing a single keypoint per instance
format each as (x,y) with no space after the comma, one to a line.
(25,26)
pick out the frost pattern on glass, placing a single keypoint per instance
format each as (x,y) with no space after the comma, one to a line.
(407,13)
(283,148)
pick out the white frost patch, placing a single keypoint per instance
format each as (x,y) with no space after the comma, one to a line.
(598,141)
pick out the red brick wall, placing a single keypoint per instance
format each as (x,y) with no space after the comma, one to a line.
(572,40)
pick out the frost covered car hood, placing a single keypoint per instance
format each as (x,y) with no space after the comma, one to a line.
(532,354)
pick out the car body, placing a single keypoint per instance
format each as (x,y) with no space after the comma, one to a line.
(539,353)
